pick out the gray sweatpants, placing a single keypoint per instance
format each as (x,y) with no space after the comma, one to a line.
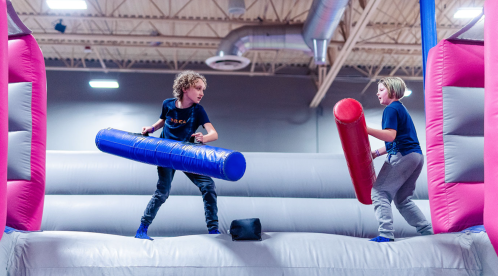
(396,181)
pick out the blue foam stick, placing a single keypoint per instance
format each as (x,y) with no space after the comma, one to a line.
(183,156)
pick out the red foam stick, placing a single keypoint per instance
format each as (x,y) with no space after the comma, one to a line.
(352,129)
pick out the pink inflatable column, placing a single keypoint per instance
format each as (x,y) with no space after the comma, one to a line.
(455,203)
(4,119)
(27,127)
(491,121)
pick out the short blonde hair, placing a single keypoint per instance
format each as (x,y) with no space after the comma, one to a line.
(184,80)
(395,87)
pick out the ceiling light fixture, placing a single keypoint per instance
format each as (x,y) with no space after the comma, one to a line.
(408,92)
(468,12)
(67,4)
(104,84)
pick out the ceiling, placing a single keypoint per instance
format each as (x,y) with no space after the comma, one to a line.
(167,36)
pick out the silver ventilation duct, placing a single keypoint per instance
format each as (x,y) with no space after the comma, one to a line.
(312,37)
(236,7)
(237,42)
(322,20)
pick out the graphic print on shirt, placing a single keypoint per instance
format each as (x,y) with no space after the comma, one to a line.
(392,147)
(176,121)
(180,124)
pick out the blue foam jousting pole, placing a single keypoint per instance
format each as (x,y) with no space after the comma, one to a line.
(188,157)
(428,26)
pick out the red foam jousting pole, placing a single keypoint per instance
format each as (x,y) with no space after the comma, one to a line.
(352,129)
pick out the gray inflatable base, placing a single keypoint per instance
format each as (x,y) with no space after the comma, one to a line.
(82,253)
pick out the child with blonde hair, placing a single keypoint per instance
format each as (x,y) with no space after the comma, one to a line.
(404,162)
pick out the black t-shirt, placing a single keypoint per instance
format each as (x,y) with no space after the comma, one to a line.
(181,123)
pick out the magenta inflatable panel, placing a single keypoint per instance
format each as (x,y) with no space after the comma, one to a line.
(4,113)
(490,122)
(454,206)
(25,197)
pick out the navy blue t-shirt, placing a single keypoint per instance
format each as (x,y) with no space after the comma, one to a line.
(181,123)
(396,117)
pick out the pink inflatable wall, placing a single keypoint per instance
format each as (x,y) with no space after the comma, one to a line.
(461,81)
(4,119)
(491,122)
(25,196)
(454,206)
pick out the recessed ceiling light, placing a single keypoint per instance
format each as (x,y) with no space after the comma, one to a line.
(408,92)
(104,84)
(469,12)
(67,4)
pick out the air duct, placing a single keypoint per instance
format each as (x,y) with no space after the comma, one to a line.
(229,54)
(322,20)
(312,37)
(236,7)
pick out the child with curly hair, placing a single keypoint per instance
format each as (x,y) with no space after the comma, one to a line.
(180,118)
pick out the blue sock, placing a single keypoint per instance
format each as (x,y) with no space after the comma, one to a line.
(142,232)
(381,239)
(475,229)
(214,231)
(9,230)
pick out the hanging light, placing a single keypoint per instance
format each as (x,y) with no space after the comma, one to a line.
(104,84)
(67,4)
(468,12)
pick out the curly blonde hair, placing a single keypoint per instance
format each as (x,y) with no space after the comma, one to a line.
(184,80)
(395,87)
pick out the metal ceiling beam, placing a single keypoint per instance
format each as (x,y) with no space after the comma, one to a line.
(400,63)
(150,19)
(125,46)
(348,47)
(406,78)
(379,45)
(127,38)
(375,76)
(95,47)
(96,38)
(397,54)
(191,20)
(102,63)
(154,71)
(208,72)
(394,46)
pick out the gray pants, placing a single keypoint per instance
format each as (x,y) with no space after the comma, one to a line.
(396,181)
